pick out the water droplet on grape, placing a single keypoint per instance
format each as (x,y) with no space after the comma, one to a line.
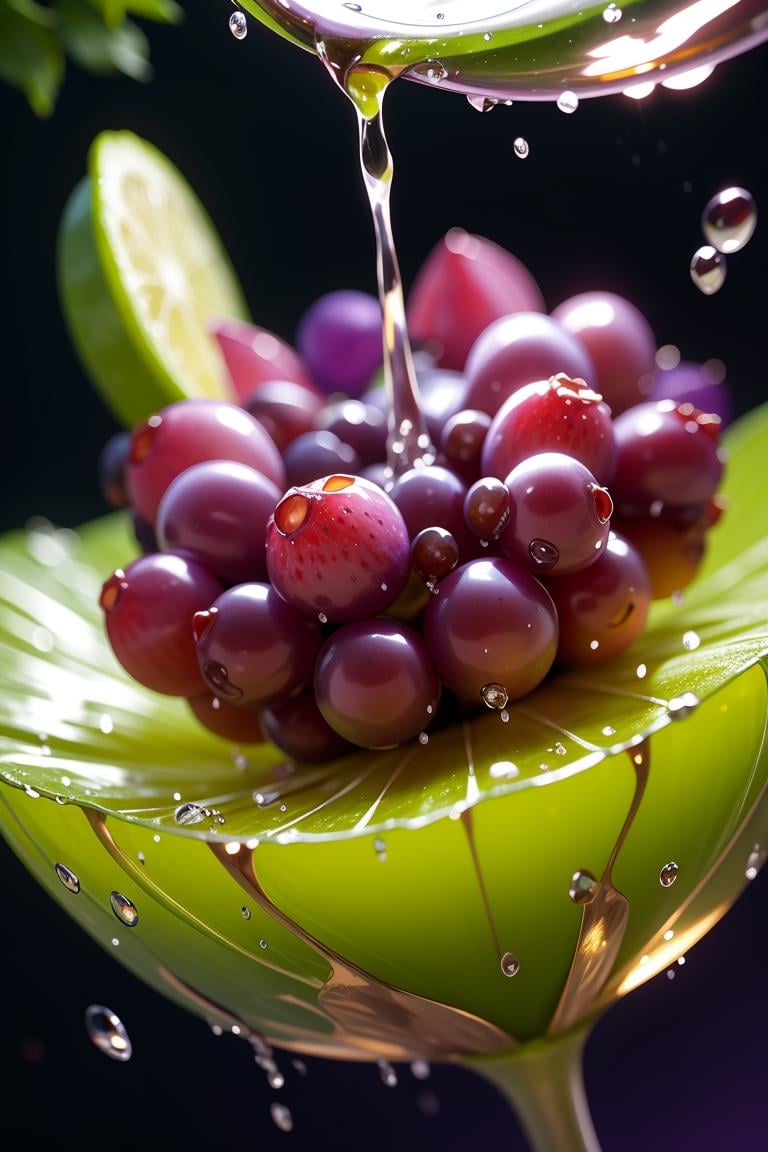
(544,553)
(583,887)
(68,878)
(107,1032)
(281,1116)
(729,219)
(568,102)
(668,874)
(238,25)
(217,678)
(189,813)
(494,696)
(708,269)
(387,1073)
(420,1070)
(755,861)
(510,965)
(612,14)
(124,909)
(521,147)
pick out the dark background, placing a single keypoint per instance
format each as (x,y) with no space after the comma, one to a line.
(610,198)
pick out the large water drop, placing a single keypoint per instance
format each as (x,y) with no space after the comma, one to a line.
(238,25)
(708,269)
(124,909)
(729,219)
(68,878)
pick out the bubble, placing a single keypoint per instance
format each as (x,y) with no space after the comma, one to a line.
(729,219)
(238,25)
(521,147)
(68,878)
(387,1073)
(668,874)
(568,102)
(281,1117)
(189,814)
(583,887)
(124,909)
(494,696)
(543,553)
(510,965)
(107,1032)
(708,269)
(612,14)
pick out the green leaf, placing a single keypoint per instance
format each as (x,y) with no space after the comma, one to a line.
(100,47)
(31,58)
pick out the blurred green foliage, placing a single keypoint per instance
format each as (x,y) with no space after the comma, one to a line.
(99,35)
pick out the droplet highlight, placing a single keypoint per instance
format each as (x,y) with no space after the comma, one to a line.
(568,102)
(238,25)
(68,878)
(612,14)
(107,1031)
(521,147)
(124,909)
(708,269)
(494,696)
(189,813)
(583,887)
(668,874)
(729,220)
(510,965)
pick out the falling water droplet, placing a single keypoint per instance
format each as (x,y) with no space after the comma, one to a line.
(668,874)
(387,1073)
(68,878)
(568,102)
(729,219)
(281,1117)
(510,965)
(124,909)
(238,25)
(755,862)
(708,269)
(276,1080)
(494,696)
(583,887)
(189,814)
(521,147)
(612,14)
(107,1032)
(420,1070)
(543,552)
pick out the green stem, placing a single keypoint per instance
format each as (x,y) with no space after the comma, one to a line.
(545,1086)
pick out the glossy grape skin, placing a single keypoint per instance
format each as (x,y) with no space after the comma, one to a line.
(285,409)
(462,438)
(555,415)
(696,384)
(434,553)
(374,683)
(253,648)
(186,433)
(254,356)
(434,495)
(491,623)
(555,501)
(671,544)
(112,463)
(299,729)
(316,454)
(362,426)
(619,340)
(239,725)
(667,456)
(340,340)
(338,548)
(465,284)
(486,508)
(602,609)
(217,512)
(517,350)
(148,609)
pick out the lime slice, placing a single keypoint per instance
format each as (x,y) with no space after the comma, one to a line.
(141,272)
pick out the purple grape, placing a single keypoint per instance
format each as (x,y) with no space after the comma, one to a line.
(217,512)
(374,683)
(340,340)
(519,350)
(317,454)
(618,338)
(284,409)
(433,495)
(238,724)
(338,549)
(362,426)
(253,648)
(559,516)
(491,626)
(462,438)
(299,729)
(486,508)
(697,384)
(442,393)
(112,463)
(434,553)
(148,610)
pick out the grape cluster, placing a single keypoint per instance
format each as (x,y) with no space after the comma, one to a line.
(292,588)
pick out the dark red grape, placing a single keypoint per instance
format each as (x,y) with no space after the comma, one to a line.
(374,683)
(186,433)
(465,284)
(148,610)
(620,341)
(555,415)
(254,356)
(559,516)
(217,512)
(434,553)
(603,608)
(112,463)
(486,508)
(362,426)
(284,409)
(240,725)
(518,350)
(253,648)
(433,495)
(462,438)
(491,624)
(338,549)
(317,454)
(299,729)
(340,340)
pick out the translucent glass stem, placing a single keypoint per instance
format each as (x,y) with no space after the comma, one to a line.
(545,1086)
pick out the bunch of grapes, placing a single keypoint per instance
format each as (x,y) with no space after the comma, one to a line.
(293,588)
